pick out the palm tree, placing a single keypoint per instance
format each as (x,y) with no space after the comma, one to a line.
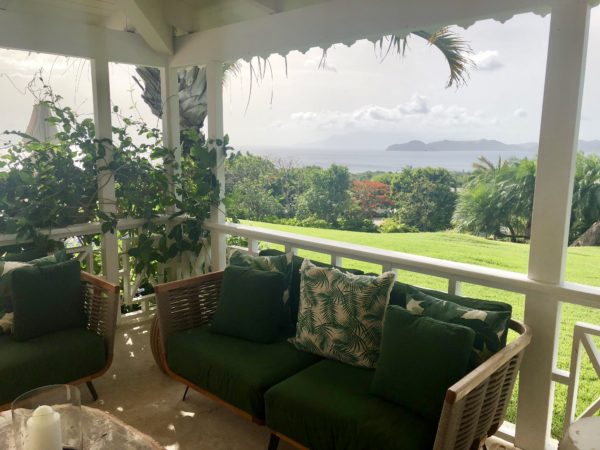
(192,81)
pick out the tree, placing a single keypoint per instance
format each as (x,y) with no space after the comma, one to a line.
(498,199)
(424,197)
(328,196)
(250,185)
(586,195)
(371,197)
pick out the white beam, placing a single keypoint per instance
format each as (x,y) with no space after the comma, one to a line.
(106,181)
(148,19)
(338,21)
(565,70)
(35,33)
(214,99)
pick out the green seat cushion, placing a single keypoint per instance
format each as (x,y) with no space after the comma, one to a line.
(297,261)
(489,326)
(250,306)
(236,370)
(401,290)
(46,299)
(328,406)
(55,358)
(420,359)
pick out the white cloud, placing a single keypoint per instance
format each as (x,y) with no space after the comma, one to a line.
(520,112)
(414,112)
(487,60)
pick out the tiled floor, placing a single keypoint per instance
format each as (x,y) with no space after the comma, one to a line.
(137,392)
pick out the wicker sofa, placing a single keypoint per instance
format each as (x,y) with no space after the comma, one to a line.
(264,383)
(72,356)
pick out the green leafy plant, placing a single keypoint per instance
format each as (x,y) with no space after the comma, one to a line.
(48,185)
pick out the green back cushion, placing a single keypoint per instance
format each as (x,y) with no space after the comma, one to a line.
(46,299)
(420,359)
(250,305)
(276,263)
(489,326)
(401,290)
(341,315)
(7,265)
(25,255)
(297,261)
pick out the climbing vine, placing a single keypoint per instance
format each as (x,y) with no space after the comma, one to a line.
(48,185)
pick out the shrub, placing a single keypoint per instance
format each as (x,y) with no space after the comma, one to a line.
(393,226)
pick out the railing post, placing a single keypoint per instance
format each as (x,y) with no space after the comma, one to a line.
(169,91)
(454,286)
(253,247)
(214,94)
(106,181)
(559,132)
(290,248)
(336,260)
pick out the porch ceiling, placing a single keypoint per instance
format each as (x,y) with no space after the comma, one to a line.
(186,32)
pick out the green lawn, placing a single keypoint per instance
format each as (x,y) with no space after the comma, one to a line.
(583,266)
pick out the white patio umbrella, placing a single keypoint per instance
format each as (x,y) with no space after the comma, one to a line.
(39,127)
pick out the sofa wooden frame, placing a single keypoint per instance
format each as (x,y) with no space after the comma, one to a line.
(474,407)
(101,305)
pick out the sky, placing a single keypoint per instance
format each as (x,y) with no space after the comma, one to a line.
(356,99)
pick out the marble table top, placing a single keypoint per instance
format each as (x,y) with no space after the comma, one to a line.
(101,431)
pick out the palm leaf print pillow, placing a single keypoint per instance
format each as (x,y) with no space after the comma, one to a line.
(341,315)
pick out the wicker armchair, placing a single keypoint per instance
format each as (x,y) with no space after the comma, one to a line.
(474,407)
(101,305)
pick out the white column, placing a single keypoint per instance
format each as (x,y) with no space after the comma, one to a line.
(169,90)
(214,82)
(551,214)
(106,182)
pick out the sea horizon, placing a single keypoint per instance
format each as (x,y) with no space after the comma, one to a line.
(365,160)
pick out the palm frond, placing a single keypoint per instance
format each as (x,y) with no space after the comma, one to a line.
(456,51)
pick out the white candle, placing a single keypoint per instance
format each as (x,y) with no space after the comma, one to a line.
(43,430)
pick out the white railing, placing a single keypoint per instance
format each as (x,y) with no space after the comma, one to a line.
(455,273)
(583,338)
(130,280)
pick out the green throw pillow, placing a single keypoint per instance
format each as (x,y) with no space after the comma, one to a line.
(279,263)
(341,315)
(489,326)
(420,359)
(47,299)
(6,266)
(250,305)
(6,269)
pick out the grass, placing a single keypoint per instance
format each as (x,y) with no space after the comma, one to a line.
(583,266)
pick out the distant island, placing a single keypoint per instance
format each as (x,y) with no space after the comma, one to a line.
(481,145)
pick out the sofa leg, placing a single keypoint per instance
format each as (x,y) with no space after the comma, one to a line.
(187,388)
(92,389)
(273,441)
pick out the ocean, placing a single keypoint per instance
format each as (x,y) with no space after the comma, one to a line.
(358,160)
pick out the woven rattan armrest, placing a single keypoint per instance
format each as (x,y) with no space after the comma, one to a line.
(186,304)
(101,303)
(475,405)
